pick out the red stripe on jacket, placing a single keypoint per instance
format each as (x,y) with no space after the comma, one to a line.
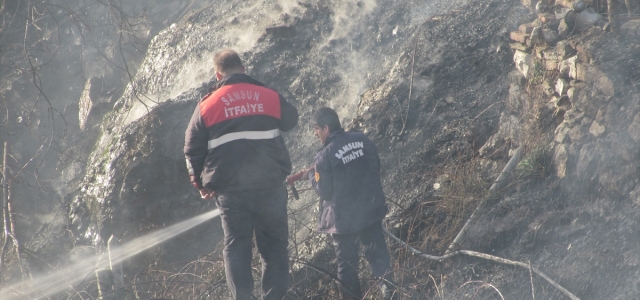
(239,100)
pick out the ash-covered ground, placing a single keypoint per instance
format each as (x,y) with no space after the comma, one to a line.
(434,84)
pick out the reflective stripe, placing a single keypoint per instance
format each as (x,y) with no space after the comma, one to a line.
(190,167)
(246,135)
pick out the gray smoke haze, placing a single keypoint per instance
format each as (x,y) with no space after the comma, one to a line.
(139,70)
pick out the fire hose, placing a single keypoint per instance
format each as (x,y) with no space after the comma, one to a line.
(291,180)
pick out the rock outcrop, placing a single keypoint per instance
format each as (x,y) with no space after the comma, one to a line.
(447,99)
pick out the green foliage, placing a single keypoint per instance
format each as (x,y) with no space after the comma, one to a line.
(537,163)
(537,72)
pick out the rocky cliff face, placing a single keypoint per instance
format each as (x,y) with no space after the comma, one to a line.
(314,54)
(570,101)
(582,221)
(446,96)
(572,104)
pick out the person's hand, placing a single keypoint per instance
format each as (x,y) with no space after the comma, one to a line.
(295,177)
(194,181)
(298,176)
(206,193)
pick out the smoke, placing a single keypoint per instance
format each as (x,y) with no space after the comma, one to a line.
(237,26)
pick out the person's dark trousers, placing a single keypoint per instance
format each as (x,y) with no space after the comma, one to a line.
(347,248)
(263,212)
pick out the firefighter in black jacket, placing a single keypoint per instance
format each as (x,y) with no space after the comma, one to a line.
(346,176)
(236,155)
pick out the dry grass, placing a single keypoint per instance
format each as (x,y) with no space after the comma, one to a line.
(429,225)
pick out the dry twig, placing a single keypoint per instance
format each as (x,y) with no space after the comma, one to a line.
(484,256)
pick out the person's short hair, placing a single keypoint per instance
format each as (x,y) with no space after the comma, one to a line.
(227,61)
(326,116)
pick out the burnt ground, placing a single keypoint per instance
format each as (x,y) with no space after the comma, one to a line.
(436,94)
(578,228)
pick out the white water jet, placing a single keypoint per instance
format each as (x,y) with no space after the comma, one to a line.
(60,280)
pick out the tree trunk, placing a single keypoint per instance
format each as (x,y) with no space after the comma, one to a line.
(5,211)
(612,7)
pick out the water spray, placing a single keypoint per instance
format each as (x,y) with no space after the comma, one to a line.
(60,280)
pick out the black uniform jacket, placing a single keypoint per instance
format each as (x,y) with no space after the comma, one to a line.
(233,140)
(347,178)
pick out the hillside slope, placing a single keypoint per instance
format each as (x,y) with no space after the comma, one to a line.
(436,87)
(572,211)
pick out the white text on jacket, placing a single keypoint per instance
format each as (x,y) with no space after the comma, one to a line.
(356,151)
(243,109)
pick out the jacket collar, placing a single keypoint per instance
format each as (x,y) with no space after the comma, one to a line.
(234,78)
(332,136)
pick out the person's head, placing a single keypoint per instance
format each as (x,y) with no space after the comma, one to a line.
(325,121)
(227,62)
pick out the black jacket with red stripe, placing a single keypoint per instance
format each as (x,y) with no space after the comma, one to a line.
(233,140)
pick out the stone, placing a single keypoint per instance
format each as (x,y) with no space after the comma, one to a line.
(523,62)
(519,46)
(546,18)
(586,19)
(550,36)
(573,116)
(631,29)
(536,36)
(549,58)
(564,50)
(568,67)
(570,93)
(566,3)
(542,7)
(605,86)
(592,75)
(538,51)
(589,155)
(600,116)
(634,128)
(596,129)
(550,54)
(526,28)
(450,100)
(634,131)
(561,132)
(90,106)
(563,28)
(583,72)
(530,4)
(578,6)
(281,31)
(560,160)
(547,88)
(519,37)
(517,78)
(562,85)
(575,134)
(551,64)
